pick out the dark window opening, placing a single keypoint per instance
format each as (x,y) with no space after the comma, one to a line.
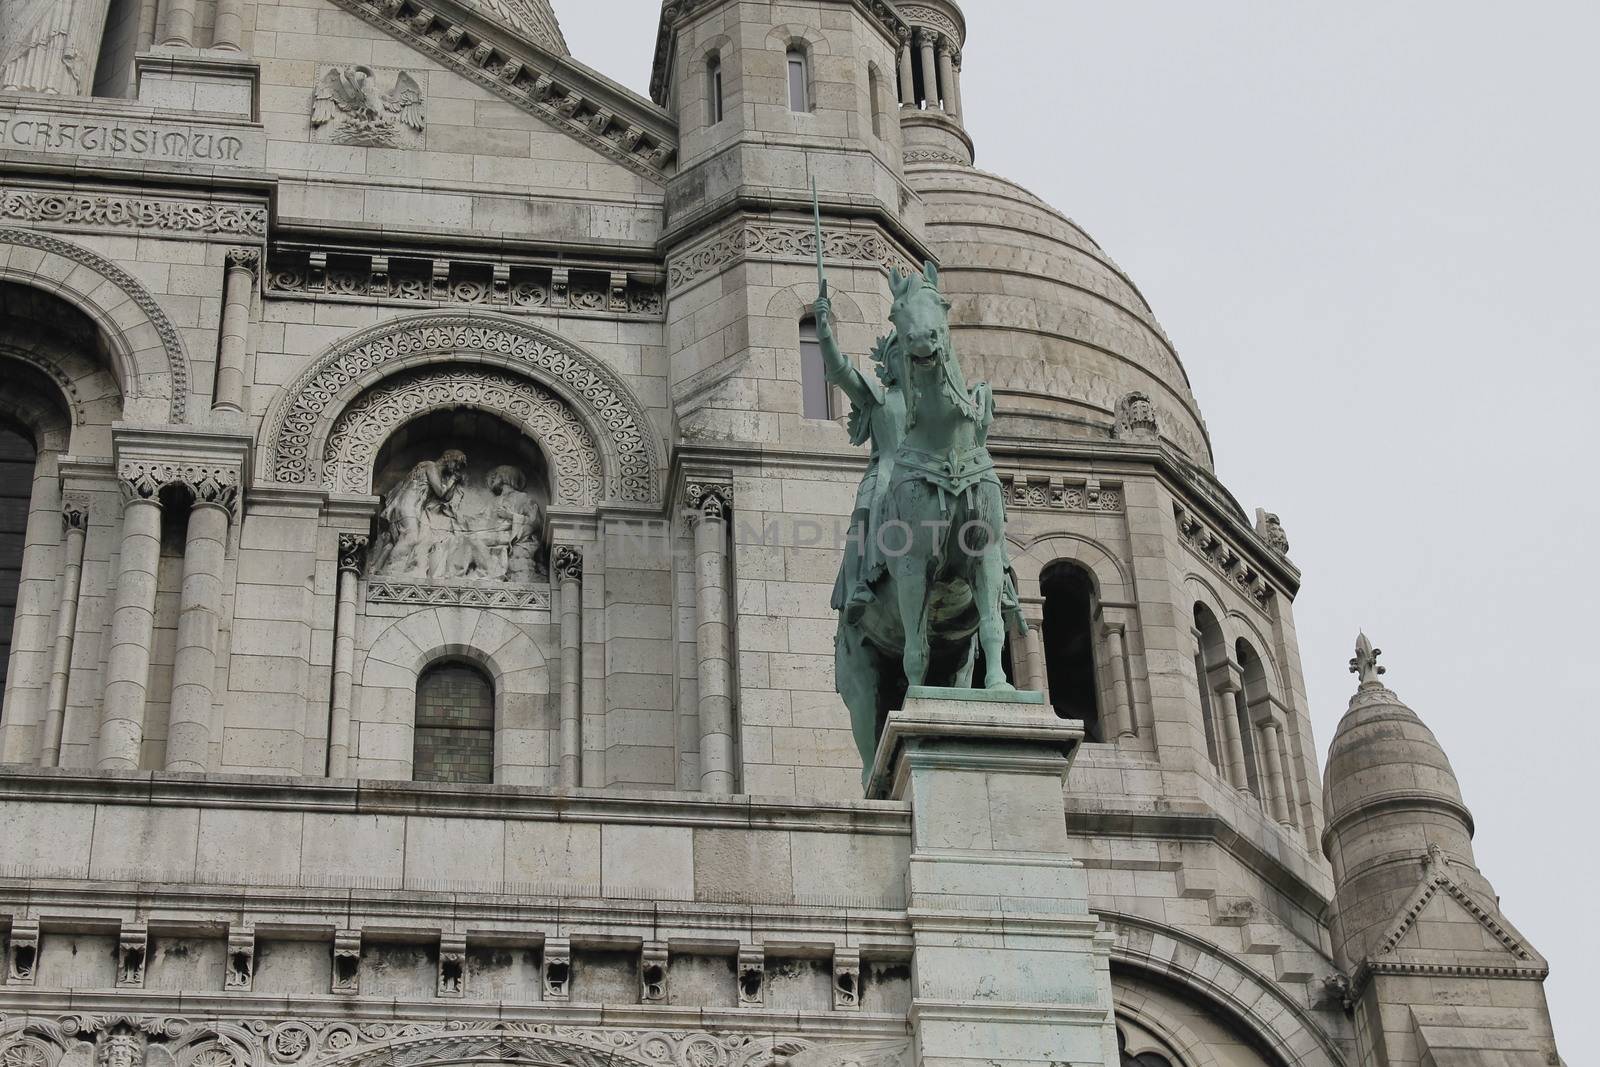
(1069,646)
(17,458)
(816,401)
(714,90)
(454,736)
(799,81)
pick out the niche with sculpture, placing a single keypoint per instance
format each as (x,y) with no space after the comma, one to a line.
(464,499)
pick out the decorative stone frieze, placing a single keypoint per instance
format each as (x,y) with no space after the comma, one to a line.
(172,345)
(430,594)
(1223,557)
(653,964)
(443,281)
(628,447)
(22,953)
(781,241)
(560,93)
(752,976)
(102,211)
(353,445)
(1039,491)
(556,968)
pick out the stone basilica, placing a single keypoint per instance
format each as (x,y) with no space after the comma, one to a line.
(421,503)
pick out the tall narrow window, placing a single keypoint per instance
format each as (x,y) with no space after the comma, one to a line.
(875,99)
(1069,645)
(454,735)
(16,489)
(817,404)
(799,80)
(1253,676)
(713,90)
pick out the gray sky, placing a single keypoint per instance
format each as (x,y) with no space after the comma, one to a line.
(1370,229)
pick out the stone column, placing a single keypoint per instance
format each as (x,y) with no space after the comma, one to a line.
(132,618)
(955,85)
(1228,691)
(194,668)
(930,67)
(237,290)
(227,33)
(711,503)
(1116,645)
(178,16)
(568,565)
(1277,795)
(75,526)
(990,855)
(908,77)
(1033,651)
(947,76)
(352,558)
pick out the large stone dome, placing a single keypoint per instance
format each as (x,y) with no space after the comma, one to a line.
(1043,314)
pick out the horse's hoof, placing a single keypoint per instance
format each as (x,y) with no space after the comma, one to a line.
(1003,687)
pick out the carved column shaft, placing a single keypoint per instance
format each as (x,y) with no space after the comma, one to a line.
(908,78)
(178,17)
(1117,646)
(569,572)
(228,31)
(1279,797)
(194,668)
(712,639)
(930,68)
(954,89)
(237,290)
(75,520)
(1232,738)
(352,556)
(1033,644)
(28,679)
(946,79)
(132,622)
(148,10)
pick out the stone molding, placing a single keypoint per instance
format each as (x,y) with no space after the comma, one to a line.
(617,421)
(1034,491)
(145,479)
(606,118)
(934,155)
(171,342)
(1437,879)
(433,280)
(1223,558)
(51,370)
(920,16)
(457,594)
(103,211)
(783,241)
(362,428)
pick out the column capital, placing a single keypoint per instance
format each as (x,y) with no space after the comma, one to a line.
(927,38)
(353,552)
(74,511)
(1227,685)
(946,47)
(248,259)
(709,499)
(1115,629)
(567,562)
(903,35)
(143,480)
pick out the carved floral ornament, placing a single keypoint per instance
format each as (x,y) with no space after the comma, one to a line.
(145,479)
(104,212)
(784,242)
(613,419)
(126,1041)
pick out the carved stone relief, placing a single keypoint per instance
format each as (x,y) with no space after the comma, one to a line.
(629,448)
(360,105)
(784,242)
(102,212)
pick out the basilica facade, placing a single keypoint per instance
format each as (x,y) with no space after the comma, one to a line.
(421,499)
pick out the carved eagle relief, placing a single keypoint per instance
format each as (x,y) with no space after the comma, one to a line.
(349,106)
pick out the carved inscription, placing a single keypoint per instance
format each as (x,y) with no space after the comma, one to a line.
(138,140)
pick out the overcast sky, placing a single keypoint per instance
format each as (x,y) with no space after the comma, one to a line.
(1370,227)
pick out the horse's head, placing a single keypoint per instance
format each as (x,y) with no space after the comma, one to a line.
(921,317)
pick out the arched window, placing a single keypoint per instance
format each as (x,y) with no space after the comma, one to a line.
(16,490)
(454,734)
(817,403)
(799,79)
(713,90)
(1069,645)
(1253,675)
(875,98)
(1209,652)
(1144,1059)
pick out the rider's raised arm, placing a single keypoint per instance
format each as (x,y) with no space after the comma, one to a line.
(836,366)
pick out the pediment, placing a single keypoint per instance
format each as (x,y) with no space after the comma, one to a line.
(1443,925)
(534,76)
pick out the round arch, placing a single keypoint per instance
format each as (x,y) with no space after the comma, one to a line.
(1246,999)
(359,432)
(1111,582)
(298,425)
(148,357)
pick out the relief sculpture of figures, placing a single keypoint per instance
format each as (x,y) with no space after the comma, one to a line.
(925,582)
(349,107)
(438,525)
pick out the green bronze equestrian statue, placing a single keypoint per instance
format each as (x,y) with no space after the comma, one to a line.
(925,582)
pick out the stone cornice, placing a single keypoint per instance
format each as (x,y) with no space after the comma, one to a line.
(555,88)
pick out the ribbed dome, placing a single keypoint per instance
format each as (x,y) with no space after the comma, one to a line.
(1045,316)
(1381,753)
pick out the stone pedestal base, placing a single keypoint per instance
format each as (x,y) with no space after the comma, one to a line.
(1010,967)
(195,79)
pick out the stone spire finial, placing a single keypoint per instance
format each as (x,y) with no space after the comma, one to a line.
(1365,662)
